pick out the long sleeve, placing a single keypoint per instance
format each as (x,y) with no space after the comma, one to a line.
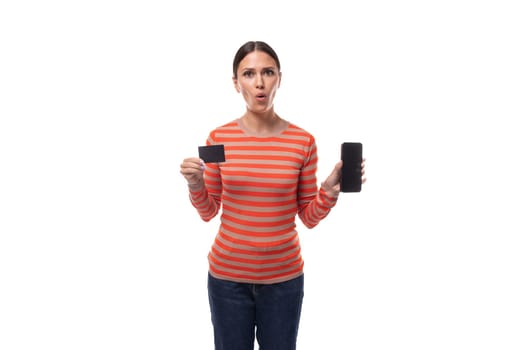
(314,204)
(207,201)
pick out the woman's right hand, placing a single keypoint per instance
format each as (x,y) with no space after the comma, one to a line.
(193,169)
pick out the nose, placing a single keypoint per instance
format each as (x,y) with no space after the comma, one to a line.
(259,83)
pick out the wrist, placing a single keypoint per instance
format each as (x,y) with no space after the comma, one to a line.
(196,186)
(329,191)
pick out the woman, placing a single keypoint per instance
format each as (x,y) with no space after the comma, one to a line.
(268,178)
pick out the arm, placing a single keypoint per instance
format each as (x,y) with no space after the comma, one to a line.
(206,202)
(315,203)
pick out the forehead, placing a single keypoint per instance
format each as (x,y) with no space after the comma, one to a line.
(257,59)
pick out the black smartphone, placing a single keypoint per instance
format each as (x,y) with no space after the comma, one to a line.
(352,157)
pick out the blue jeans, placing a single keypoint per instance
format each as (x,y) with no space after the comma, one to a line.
(242,311)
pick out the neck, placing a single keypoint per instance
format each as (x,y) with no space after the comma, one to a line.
(262,123)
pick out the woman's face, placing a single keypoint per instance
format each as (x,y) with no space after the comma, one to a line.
(258,79)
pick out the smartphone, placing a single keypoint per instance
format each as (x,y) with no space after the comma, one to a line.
(352,157)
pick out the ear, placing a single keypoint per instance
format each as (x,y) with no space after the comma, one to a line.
(280,77)
(236,84)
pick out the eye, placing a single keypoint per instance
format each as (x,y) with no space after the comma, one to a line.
(269,72)
(248,74)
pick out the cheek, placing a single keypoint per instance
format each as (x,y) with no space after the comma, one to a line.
(274,89)
(243,90)
(240,88)
(245,94)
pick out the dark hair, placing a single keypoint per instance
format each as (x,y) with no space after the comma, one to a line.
(249,47)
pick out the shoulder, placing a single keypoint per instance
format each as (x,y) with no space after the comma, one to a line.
(297,131)
(224,130)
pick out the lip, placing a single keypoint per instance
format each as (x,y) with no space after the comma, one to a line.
(260,97)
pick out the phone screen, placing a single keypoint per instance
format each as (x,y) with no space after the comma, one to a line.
(352,157)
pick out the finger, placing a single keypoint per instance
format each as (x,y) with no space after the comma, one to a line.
(194,163)
(337,168)
(191,171)
(192,160)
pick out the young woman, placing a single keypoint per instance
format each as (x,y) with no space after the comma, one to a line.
(268,178)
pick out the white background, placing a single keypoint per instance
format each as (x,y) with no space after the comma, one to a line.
(101,100)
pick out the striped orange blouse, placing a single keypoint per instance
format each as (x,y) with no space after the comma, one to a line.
(262,185)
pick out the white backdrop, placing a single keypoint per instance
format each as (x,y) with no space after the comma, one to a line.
(101,100)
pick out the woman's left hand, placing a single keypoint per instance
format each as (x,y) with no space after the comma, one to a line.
(332,183)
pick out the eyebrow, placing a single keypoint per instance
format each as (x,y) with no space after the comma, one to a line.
(263,68)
